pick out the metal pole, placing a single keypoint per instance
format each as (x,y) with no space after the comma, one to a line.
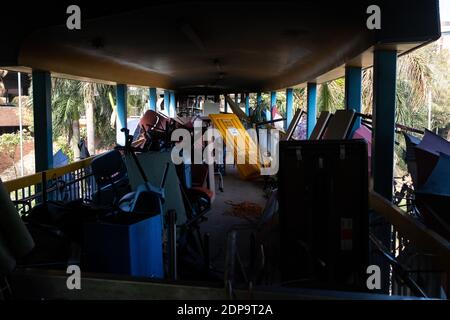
(172,218)
(429,109)
(19,82)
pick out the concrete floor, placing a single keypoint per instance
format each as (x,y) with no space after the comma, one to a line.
(220,221)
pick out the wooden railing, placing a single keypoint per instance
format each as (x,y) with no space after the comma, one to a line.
(70,182)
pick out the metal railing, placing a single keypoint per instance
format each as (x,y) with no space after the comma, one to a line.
(67,183)
(428,266)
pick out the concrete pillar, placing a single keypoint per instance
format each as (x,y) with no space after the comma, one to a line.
(311,108)
(172,105)
(353,92)
(152,99)
(289,106)
(121,105)
(383,138)
(42,114)
(247,104)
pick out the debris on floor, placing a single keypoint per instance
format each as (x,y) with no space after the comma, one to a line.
(245,210)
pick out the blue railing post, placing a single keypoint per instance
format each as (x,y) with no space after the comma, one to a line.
(42,114)
(121,94)
(152,99)
(289,106)
(353,92)
(311,108)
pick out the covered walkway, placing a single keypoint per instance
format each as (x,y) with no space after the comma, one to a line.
(200,48)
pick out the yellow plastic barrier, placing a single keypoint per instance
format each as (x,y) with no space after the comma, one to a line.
(236,137)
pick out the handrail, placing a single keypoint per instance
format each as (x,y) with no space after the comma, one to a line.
(50,174)
(367,117)
(420,236)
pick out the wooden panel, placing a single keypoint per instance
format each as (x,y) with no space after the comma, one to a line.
(235,135)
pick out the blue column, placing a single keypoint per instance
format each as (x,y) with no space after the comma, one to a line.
(172,105)
(273,102)
(383,135)
(152,99)
(247,104)
(42,114)
(384,91)
(167,101)
(311,108)
(353,92)
(121,122)
(289,106)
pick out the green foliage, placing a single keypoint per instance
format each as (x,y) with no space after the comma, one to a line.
(331,95)
(69,98)
(61,143)
(102,116)
(67,106)
(137,100)
(9,143)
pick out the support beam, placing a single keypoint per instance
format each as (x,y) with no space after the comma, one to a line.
(273,102)
(167,102)
(311,108)
(353,92)
(247,104)
(383,135)
(172,105)
(289,106)
(225,106)
(152,99)
(42,114)
(384,91)
(121,122)
(236,98)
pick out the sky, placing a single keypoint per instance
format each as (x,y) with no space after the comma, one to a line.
(444,10)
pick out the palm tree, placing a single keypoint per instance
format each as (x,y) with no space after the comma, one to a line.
(3,73)
(331,95)
(70,99)
(67,105)
(89,92)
